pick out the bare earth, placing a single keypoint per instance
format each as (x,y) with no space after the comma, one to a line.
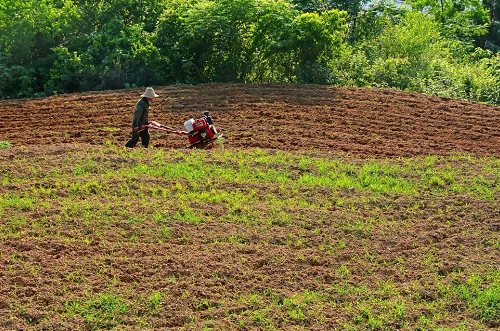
(360,122)
(218,274)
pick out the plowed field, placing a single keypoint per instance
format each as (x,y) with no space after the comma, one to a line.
(327,209)
(360,122)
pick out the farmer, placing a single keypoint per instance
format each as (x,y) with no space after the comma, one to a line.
(140,119)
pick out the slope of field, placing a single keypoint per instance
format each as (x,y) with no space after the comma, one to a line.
(95,238)
(327,209)
(360,122)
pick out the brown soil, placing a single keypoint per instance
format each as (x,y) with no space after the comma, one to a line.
(67,239)
(360,122)
(207,273)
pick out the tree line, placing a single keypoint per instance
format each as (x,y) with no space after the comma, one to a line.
(441,47)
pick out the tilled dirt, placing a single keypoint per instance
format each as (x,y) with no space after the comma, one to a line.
(68,241)
(64,254)
(358,121)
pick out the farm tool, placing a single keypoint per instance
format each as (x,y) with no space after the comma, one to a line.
(201,133)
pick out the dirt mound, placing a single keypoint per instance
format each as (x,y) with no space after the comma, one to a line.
(358,121)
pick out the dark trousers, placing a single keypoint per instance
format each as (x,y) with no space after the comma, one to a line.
(144,134)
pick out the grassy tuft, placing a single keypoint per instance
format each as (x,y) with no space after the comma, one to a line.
(5,144)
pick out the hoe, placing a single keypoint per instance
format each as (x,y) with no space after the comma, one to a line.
(201,133)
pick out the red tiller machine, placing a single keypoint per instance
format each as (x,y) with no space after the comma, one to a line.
(201,133)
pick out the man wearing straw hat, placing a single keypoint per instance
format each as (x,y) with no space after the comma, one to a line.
(141,119)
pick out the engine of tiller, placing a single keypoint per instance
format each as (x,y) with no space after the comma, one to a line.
(201,132)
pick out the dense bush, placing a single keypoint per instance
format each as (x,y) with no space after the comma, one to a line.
(60,46)
(409,50)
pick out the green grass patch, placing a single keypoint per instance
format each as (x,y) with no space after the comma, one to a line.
(5,144)
(100,311)
(482,295)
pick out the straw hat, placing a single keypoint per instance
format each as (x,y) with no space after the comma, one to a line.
(150,93)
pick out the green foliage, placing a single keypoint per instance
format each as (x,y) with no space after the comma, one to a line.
(430,46)
(487,303)
(66,73)
(270,58)
(482,80)
(100,311)
(5,144)
(215,38)
(404,52)
(15,81)
(351,6)
(466,20)
(492,41)
(410,50)
(315,38)
(351,69)
(414,38)
(483,300)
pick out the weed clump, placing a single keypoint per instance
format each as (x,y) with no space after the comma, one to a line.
(5,144)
